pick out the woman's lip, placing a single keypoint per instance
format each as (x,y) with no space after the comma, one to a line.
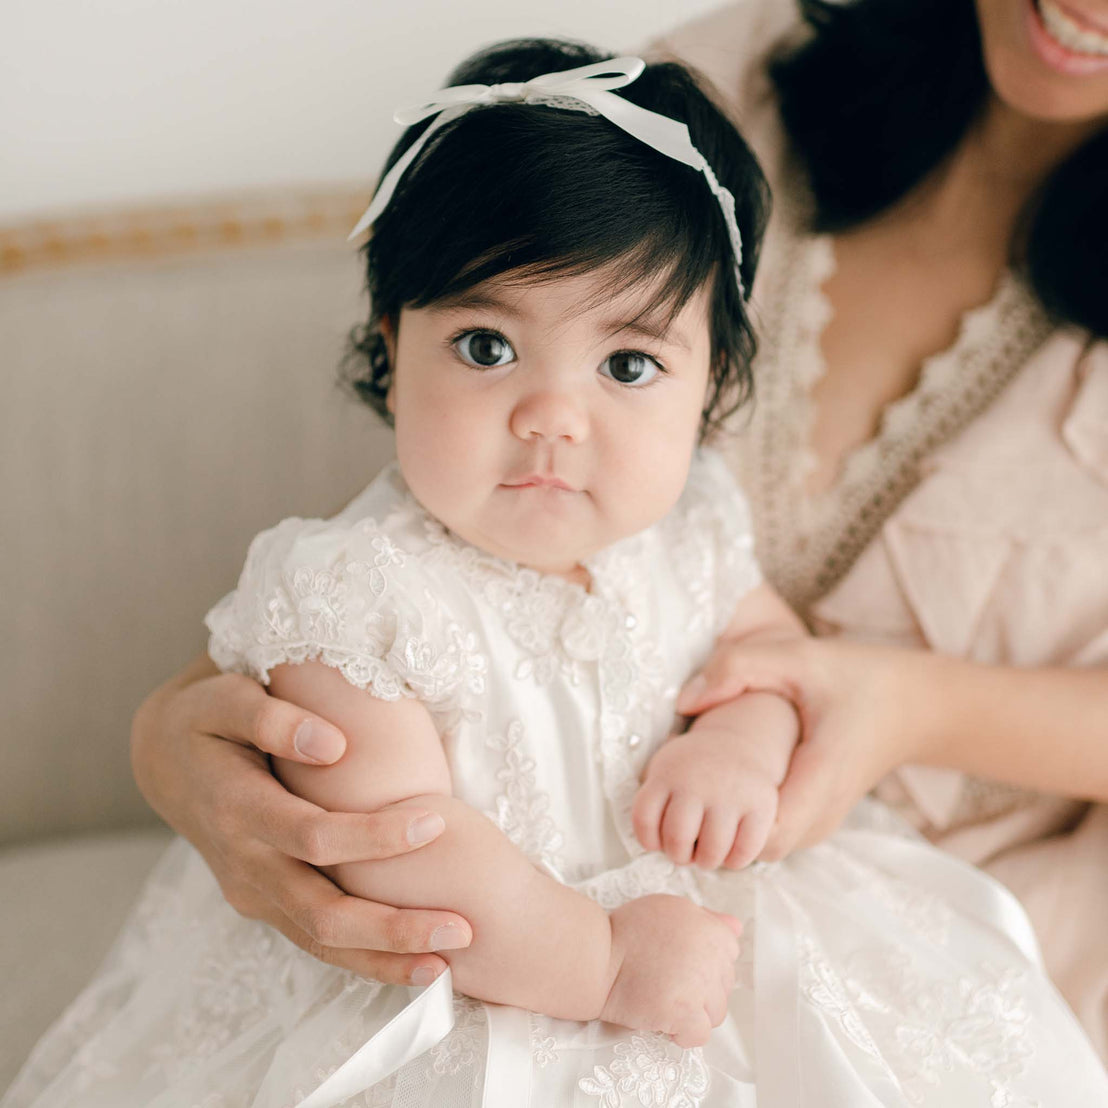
(1053,54)
(1090,22)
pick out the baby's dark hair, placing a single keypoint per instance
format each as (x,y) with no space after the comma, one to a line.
(543,193)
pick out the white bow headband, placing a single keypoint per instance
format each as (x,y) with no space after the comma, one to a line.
(586,88)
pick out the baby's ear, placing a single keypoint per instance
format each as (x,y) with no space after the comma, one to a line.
(387,327)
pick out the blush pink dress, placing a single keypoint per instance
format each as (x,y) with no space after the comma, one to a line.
(975,523)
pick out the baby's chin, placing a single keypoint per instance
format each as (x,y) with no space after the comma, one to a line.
(544,554)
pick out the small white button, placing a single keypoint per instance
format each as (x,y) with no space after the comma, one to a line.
(631,623)
(634,740)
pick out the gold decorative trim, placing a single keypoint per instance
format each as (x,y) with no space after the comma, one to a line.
(168,230)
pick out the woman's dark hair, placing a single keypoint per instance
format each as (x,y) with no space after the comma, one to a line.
(884,90)
(543,192)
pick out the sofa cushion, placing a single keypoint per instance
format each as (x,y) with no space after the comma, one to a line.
(157,413)
(63,902)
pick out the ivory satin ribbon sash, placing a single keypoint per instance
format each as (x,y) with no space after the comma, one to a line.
(781,905)
(427,1020)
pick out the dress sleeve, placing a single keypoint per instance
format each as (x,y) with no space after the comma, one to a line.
(342,594)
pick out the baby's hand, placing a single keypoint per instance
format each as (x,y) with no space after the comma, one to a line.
(675,967)
(707,796)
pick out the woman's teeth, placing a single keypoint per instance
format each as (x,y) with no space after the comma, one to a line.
(1069,34)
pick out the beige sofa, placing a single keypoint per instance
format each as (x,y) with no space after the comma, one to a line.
(168,390)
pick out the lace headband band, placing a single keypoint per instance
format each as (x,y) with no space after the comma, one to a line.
(586,88)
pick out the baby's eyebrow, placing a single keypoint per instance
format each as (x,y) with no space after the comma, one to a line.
(648,328)
(476,299)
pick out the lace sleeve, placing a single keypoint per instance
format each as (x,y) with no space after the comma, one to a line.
(343,594)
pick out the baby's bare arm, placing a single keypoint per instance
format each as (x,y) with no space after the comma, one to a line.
(199,748)
(659,963)
(536,943)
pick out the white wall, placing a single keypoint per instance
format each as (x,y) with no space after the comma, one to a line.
(108,101)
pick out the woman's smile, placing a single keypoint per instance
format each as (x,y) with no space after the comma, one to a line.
(1067,40)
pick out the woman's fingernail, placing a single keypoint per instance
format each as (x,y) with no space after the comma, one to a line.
(423,975)
(448,937)
(690,694)
(426,828)
(318,741)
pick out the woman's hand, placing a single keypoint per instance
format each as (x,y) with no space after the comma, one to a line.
(198,749)
(856,719)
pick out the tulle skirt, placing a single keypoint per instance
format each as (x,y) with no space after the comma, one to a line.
(875,971)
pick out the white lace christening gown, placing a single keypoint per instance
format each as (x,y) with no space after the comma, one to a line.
(876,970)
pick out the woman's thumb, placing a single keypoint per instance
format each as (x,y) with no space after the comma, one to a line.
(733,669)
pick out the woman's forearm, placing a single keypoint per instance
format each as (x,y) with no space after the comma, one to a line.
(536,943)
(1045,729)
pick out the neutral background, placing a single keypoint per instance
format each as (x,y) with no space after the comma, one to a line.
(105,101)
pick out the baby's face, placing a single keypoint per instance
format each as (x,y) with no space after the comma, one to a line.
(545,421)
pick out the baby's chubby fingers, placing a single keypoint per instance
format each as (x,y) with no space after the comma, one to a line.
(694,1030)
(680,825)
(646,814)
(716,1007)
(735,926)
(717,833)
(750,839)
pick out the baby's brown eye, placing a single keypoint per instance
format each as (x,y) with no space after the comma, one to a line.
(630,367)
(484,349)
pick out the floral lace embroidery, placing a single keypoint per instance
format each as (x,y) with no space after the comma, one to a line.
(642,876)
(557,626)
(543,1047)
(923,1029)
(921,912)
(335,616)
(648,1070)
(312,614)
(522,810)
(233,987)
(465,1045)
(453,676)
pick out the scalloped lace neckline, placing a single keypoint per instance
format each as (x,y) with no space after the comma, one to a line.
(938,373)
(807,542)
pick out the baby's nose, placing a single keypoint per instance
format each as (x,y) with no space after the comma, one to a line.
(550,414)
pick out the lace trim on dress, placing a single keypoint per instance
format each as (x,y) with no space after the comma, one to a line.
(807,543)
(648,1070)
(922,1030)
(522,809)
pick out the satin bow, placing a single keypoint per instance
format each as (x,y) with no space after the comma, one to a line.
(590,86)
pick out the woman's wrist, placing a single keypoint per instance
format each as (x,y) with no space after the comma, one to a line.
(905,697)
(932,694)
